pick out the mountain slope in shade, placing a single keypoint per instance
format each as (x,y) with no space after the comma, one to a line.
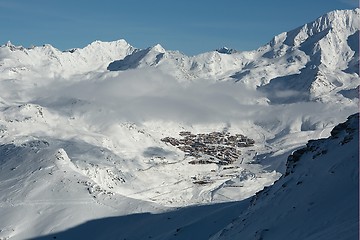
(317,198)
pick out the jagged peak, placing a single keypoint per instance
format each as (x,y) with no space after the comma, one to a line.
(118,45)
(97,43)
(9,44)
(12,47)
(226,50)
(49,46)
(157,48)
(339,18)
(336,21)
(278,39)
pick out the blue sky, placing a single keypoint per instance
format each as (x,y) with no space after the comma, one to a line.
(191,27)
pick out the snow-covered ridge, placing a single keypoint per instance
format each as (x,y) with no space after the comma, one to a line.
(95,56)
(339,21)
(226,50)
(306,63)
(320,57)
(312,62)
(322,181)
(342,133)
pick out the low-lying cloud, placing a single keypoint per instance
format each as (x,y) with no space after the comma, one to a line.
(139,95)
(147,94)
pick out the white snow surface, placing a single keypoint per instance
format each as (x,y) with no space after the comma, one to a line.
(317,198)
(81,130)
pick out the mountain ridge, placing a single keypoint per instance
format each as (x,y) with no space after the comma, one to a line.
(321,180)
(308,62)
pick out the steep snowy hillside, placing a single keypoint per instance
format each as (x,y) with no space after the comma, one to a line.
(317,198)
(328,51)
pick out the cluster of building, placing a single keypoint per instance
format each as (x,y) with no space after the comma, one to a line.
(216,147)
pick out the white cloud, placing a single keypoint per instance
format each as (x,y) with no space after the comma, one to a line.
(148,94)
(145,95)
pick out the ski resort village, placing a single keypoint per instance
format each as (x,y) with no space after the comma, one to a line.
(216,147)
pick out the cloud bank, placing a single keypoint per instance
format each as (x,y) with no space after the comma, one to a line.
(141,95)
(147,95)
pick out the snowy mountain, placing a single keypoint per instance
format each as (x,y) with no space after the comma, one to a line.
(49,62)
(300,65)
(328,51)
(82,132)
(304,64)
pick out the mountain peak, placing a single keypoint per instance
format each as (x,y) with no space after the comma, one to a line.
(12,47)
(118,43)
(158,48)
(338,21)
(226,50)
(9,44)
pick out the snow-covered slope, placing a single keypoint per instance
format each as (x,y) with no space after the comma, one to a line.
(307,63)
(317,198)
(327,49)
(48,62)
(83,129)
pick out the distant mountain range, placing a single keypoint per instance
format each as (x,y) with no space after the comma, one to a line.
(307,63)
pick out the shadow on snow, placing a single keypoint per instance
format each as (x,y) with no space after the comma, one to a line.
(195,222)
